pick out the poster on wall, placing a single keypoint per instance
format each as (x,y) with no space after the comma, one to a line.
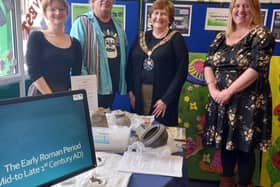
(216,19)
(264,13)
(201,0)
(270,170)
(196,64)
(275,24)
(219,1)
(182,18)
(118,11)
(270,1)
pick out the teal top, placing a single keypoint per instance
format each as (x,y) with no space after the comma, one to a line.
(98,53)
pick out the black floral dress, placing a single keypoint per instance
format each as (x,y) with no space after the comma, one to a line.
(245,122)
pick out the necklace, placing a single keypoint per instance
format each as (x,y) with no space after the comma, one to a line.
(148,63)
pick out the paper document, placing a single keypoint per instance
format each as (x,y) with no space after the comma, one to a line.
(147,163)
(177,133)
(88,83)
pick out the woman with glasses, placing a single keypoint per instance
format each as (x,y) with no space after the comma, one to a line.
(52,56)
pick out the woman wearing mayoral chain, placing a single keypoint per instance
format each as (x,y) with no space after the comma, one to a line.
(157,67)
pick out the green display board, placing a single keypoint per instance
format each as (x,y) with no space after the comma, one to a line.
(78,9)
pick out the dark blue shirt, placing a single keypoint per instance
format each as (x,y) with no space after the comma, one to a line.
(55,64)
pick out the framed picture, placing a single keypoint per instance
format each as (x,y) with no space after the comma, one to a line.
(264,13)
(216,19)
(118,11)
(275,24)
(182,18)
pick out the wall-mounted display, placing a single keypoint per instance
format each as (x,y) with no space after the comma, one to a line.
(182,21)
(196,63)
(219,1)
(270,1)
(275,24)
(264,16)
(78,9)
(227,1)
(270,170)
(182,18)
(216,19)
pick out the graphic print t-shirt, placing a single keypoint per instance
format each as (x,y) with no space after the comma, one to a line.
(112,46)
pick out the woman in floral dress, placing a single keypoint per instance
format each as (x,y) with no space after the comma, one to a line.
(239,112)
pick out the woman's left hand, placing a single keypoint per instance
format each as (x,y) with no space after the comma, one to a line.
(223,97)
(159,109)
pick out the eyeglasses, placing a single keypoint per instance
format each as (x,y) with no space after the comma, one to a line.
(56,9)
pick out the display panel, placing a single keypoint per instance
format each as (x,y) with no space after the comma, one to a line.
(45,139)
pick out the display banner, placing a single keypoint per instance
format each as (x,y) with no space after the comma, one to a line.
(81,8)
(275,26)
(270,170)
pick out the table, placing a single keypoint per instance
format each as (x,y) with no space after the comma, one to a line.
(133,180)
(143,180)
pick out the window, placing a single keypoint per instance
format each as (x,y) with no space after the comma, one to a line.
(11,68)
(8,65)
(15,19)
